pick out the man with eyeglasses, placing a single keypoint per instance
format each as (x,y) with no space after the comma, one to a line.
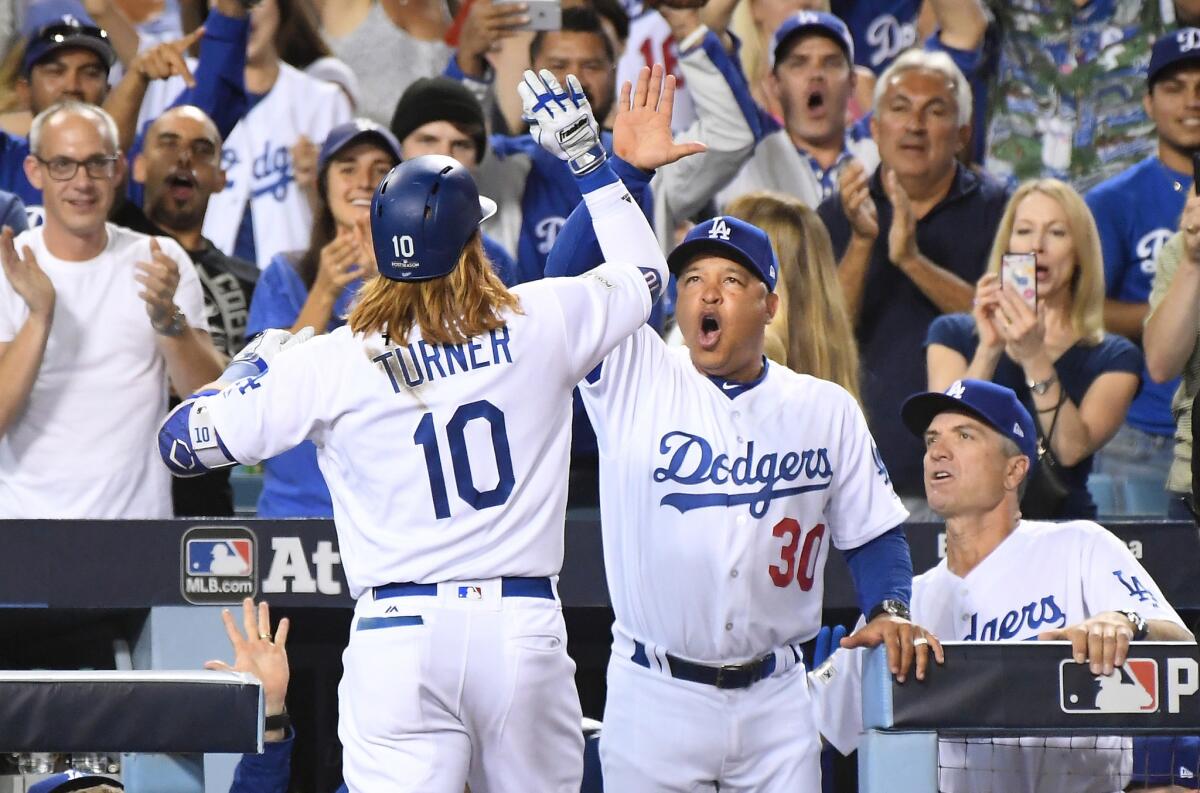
(68,57)
(94,319)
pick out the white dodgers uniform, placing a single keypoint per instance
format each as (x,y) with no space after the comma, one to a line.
(446,468)
(719,503)
(1042,577)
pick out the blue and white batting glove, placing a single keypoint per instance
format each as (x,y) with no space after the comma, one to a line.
(562,121)
(256,357)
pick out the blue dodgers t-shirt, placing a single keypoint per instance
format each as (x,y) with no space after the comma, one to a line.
(13,151)
(1136,212)
(882,29)
(1077,369)
(293,486)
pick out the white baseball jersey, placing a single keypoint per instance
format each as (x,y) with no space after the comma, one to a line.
(446,462)
(1043,576)
(258,165)
(719,501)
(651,42)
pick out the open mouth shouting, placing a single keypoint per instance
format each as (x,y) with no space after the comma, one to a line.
(815,103)
(181,185)
(710,332)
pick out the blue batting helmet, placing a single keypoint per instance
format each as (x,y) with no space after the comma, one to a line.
(423,214)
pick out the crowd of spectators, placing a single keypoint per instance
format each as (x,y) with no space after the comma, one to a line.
(894,151)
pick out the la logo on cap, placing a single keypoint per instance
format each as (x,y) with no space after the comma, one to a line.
(720,230)
(1017,430)
(956,389)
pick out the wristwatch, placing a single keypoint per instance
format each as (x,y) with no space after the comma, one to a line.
(1140,629)
(174,327)
(897,608)
(1040,387)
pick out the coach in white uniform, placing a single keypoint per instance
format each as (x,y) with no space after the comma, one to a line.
(87,308)
(1008,579)
(724,481)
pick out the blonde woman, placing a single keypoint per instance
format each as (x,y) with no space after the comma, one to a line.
(811,332)
(1076,379)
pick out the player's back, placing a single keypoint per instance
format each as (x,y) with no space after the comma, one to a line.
(445,462)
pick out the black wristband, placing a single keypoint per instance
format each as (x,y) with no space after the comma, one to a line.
(280,721)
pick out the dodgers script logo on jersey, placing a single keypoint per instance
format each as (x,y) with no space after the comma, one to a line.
(1035,616)
(271,171)
(691,461)
(1132,688)
(1148,247)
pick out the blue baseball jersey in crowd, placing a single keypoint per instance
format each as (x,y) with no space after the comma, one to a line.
(1136,212)
(882,29)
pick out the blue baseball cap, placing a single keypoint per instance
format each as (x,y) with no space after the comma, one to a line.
(994,405)
(1179,46)
(54,25)
(354,131)
(816,22)
(72,780)
(730,238)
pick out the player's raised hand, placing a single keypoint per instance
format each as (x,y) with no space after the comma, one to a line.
(28,280)
(561,121)
(642,129)
(906,642)
(1102,641)
(167,60)
(258,652)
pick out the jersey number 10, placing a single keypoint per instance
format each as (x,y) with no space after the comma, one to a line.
(464,481)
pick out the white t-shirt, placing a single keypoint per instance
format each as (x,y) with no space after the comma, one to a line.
(444,463)
(84,445)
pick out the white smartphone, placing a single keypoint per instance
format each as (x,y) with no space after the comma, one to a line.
(1018,273)
(543,14)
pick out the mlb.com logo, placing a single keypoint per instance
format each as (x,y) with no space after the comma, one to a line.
(220,557)
(218,565)
(1132,688)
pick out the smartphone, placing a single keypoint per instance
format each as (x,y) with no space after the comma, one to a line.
(1196,171)
(1018,273)
(543,14)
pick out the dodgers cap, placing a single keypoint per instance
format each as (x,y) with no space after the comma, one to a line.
(61,24)
(731,238)
(72,780)
(354,131)
(1171,49)
(816,22)
(995,405)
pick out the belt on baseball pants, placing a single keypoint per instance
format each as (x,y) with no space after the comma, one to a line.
(509,588)
(724,676)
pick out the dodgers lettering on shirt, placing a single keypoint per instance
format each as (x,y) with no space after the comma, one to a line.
(691,462)
(1041,614)
(882,29)
(419,362)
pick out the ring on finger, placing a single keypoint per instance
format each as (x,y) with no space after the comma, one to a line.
(265,636)
(920,640)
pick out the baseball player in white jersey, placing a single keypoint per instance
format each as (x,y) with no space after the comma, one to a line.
(724,481)
(1007,579)
(443,433)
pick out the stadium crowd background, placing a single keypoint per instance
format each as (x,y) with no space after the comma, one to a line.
(906,145)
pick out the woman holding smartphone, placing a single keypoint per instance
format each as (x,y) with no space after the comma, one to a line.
(1076,379)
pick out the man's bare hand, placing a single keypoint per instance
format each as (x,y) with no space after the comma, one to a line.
(28,280)
(1102,641)
(258,652)
(906,641)
(642,130)
(167,60)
